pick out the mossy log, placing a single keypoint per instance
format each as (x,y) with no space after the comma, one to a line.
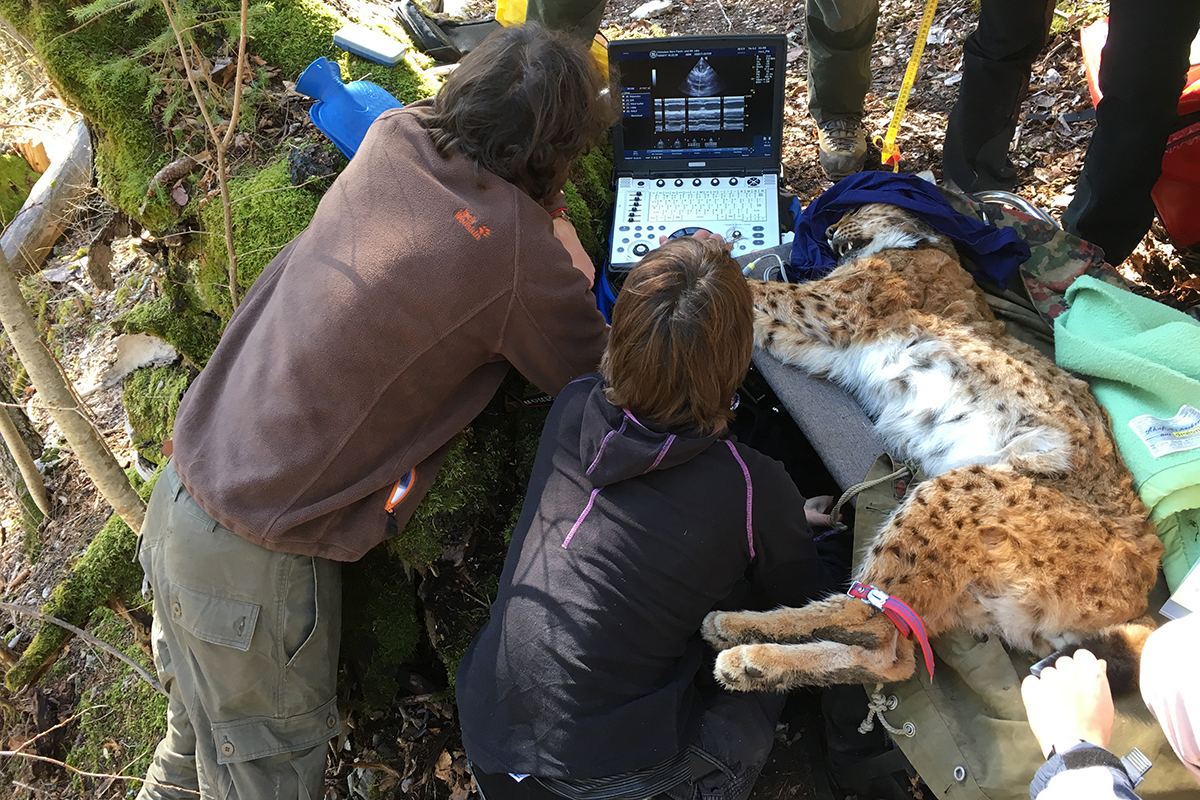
(268,212)
(151,398)
(51,204)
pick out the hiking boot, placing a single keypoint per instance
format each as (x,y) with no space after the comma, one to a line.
(843,145)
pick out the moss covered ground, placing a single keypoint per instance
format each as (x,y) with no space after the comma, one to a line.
(121,718)
(107,568)
(151,399)
(268,212)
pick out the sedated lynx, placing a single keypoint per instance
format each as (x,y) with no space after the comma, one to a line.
(1027,527)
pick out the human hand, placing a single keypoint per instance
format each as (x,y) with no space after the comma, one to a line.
(1070,701)
(816,511)
(702,233)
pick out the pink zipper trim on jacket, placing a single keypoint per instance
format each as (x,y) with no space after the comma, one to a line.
(604,444)
(666,446)
(579,521)
(749,497)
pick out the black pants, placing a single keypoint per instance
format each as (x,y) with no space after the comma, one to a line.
(1142,73)
(997,59)
(731,748)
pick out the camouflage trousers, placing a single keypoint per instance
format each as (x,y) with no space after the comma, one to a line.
(246,644)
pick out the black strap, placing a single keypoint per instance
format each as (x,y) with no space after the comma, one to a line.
(1085,757)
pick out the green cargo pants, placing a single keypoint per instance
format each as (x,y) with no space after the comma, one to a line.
(840,33)
(246,644)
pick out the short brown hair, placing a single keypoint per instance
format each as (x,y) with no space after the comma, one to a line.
(523,105)
(682,334)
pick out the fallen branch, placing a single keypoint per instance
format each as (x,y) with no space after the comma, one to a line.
(85,774)
(721,6)
(87,637)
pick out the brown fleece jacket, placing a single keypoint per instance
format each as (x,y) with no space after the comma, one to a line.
(372,339)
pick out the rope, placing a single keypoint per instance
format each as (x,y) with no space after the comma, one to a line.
(875,708)
(906,469)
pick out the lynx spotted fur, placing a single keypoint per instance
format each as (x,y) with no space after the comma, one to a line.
(1028,526)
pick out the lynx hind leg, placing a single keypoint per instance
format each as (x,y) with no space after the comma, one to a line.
(817,620)
(929,550)
(780,667)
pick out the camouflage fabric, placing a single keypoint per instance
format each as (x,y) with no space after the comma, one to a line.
(1058,257)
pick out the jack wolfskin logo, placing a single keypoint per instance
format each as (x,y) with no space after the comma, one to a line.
(468,221)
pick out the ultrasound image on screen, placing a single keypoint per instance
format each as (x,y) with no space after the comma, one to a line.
(680,103)
(734,116)
(704,114)
(702,81)
(671,115)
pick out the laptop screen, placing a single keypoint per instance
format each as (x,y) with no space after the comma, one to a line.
(689,99)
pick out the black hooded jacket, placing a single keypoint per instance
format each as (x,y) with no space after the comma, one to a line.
(629,536)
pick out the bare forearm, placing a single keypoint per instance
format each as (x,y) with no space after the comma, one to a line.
(564,231)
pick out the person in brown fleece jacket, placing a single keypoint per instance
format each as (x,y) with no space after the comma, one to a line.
(437,259)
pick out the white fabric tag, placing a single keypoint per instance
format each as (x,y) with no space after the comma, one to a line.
(1165,436)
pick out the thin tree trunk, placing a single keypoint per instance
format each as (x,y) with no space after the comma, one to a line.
(30,478)
(16,412)
(57,396)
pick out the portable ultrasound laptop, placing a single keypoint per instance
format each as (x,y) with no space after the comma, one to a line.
(699,141)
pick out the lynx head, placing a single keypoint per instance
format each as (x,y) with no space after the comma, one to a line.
(878,226)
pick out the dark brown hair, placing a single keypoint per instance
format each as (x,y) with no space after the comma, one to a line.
(682,332)
(523,105)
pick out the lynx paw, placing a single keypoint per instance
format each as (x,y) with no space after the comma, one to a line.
(725,629)
(749,668)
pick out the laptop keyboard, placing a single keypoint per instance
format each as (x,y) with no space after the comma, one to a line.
(742,209)
(672,205)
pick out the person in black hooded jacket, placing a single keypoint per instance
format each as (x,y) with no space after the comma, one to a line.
(640,518)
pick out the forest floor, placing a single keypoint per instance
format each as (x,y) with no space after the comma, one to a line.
(1050,146)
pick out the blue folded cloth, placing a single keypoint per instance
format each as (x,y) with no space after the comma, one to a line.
(996,251)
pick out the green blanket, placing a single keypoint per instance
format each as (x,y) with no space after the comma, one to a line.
(1142,359)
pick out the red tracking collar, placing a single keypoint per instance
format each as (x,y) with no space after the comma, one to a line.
(901,615)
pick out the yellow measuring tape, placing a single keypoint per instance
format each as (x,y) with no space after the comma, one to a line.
(889,153)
